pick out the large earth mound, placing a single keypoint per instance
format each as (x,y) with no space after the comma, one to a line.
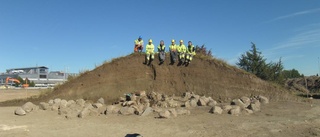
(204,76)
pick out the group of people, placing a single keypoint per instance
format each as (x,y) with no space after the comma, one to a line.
(183,53)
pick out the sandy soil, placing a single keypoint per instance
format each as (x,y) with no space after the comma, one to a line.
(17,93)
(277,119)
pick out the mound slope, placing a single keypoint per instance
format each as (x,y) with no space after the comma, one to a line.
(210,77)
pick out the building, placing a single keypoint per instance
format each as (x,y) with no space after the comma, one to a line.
(39,75)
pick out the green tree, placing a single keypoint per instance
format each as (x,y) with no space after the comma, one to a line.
(252,61)
(291,74)
(32,84)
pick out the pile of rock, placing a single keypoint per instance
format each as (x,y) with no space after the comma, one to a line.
(243,105)
(143,104)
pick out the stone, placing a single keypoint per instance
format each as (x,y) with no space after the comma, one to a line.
(94,112)
(63,111)
(239,103)
(20,112)
(187,95)
(227,108)
(101,100)
(50,102)
(246,101)
(201,102)
(197,97)
(122,99)
(57,101)
(97,105)
(142,94)
(187,104)
(112,109)
(72,114)
(126,111)
(102,109)
(55,107)
(80,102)
(144,100)
(172,103)
(133,97)
(255,106)
(158,97)
(63,103)
(28,107)
(235,110)
(193,102)
(70,103)
(44,106)
(247,111)
(263,99)
(173,112)
(212,103)
(163,104)
(216,110)
(147,111)
(164,114)
(181,111)
(137,109)
(84,113)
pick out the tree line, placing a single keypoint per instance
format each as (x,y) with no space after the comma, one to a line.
(253,62)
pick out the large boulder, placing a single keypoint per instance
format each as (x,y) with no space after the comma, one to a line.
(126,111)
(202,102)
(193,102)
(172,103)
(239,103)
(28,107)
(44,106)
(246,101)
(80,102)
(216,110)
(236,110)
(173,112)
(255,106)
(57,101)
(112,109)
(97,105)
(147,111)
(20,112)
(226,108)
(263,99)
(164,114)
(101,100)
(247,111)
(50,102)
(63,103)
(84,113)
(212,103)
(70,103)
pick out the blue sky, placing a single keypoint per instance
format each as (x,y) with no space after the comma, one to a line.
(81,34)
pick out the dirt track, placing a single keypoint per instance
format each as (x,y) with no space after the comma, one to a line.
(276,119)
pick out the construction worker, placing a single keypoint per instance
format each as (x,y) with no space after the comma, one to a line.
(149,52)
(182,52)
(138,44)
(191,51)
(161,50)
(173,51)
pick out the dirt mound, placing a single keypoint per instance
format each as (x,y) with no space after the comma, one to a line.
(204,76)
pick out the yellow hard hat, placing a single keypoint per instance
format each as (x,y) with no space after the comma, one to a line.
(150,40)
(181,40)
(172,40)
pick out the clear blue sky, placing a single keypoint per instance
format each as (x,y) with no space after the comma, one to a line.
(80,34)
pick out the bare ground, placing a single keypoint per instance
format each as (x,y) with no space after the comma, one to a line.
(285,118)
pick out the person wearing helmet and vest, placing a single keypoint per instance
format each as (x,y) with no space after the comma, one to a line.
(173,51)
(182,51)
(190,52)
(149,52)
(161,50)
(138,44)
